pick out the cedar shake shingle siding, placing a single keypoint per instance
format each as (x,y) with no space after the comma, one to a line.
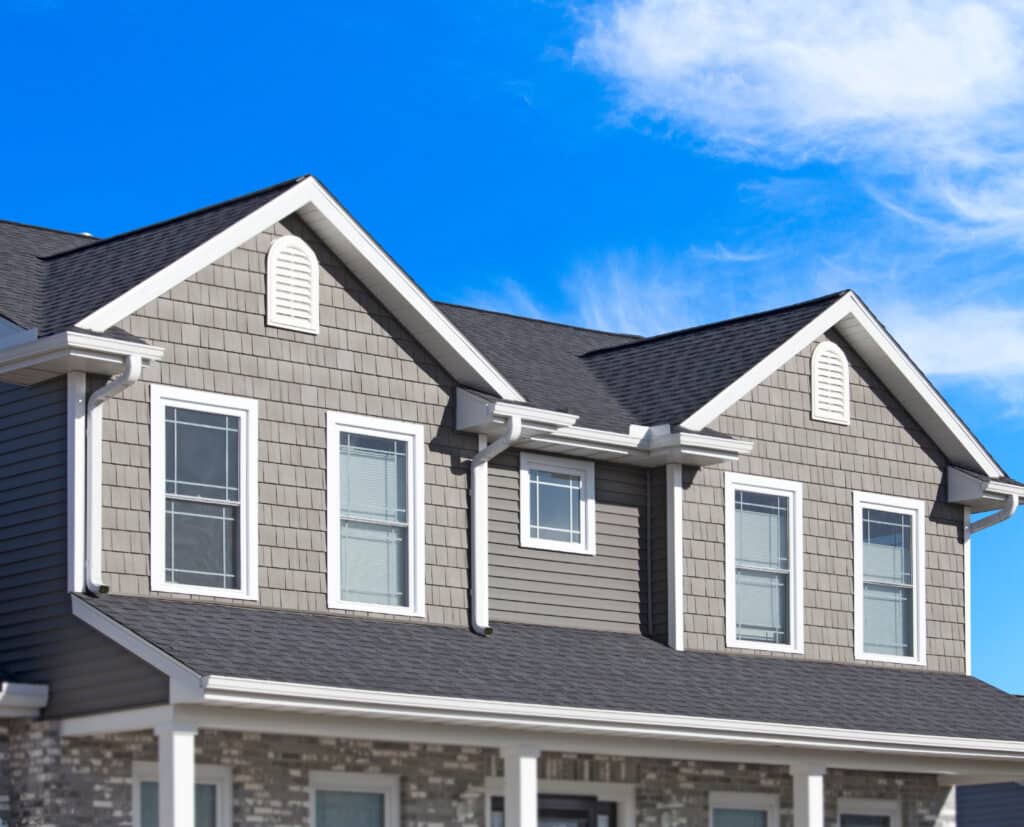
(881,451)
(212,327)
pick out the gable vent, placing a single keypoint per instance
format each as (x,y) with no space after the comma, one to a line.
(830,384)
(293,286)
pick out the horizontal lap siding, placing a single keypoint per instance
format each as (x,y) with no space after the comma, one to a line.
(39,639)
(559,588)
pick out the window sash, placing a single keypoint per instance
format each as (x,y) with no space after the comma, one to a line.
(556,504)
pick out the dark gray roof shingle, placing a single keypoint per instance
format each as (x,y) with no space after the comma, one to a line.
(563,667)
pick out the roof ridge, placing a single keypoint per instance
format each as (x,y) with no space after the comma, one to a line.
(176,218)
(721,322)
(48,229)
(633,336)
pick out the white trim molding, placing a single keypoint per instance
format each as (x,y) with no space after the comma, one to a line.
(587,517)
(676,564)
(412,434)
(246,410)
(888,808)
(768,803)
(793,491)
(386,786)
(76,480)
(214,775)
(915,509)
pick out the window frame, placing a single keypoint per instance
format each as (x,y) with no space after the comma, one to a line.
(767,802)
(889,807)
(898,505)
(214,774)
(794,491)
(247,411)
(413,435)
(389,786)
(588,509)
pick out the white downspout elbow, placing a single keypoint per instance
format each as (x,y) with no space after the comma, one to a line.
(94,471)
(1008,510)
(479,576)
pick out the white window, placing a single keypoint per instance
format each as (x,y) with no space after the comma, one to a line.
(348,799)
(556,498)
(293,286)
(213,795)
(866,812)
(764,565)
(375,514)
(889,577)
(830,384)
(203,503)
(743,810)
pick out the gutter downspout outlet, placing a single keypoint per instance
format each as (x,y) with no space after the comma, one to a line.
(478,526)
(94,472)
(1008,510)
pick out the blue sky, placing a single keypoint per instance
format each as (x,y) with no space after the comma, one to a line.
(639,166)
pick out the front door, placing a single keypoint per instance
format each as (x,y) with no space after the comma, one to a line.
(563,811)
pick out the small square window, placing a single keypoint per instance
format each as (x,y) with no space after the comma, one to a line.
(557,504)
(343,799)
(869,812)
(212,795)
(743,810)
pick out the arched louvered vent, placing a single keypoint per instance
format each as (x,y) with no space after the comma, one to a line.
(830,384)
(293,286)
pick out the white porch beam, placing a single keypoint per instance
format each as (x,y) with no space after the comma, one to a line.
(520,785)
(176,752)
(808,795)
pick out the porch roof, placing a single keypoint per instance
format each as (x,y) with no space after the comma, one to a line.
(563,668)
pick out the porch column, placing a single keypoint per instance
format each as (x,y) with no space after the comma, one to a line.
(520,785)
(808,795)
(176,752)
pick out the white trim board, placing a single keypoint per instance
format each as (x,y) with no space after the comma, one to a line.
(354,246)
(887,360)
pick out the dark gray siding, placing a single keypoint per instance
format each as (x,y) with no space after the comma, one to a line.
(990,805)
(656,565)
(536,586)
(39,639)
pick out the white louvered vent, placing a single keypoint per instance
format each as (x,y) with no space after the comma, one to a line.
(830,384)
(293,286)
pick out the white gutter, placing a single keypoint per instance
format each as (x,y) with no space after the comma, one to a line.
(94,471)
(22,700)
(1008,510)
(480,616)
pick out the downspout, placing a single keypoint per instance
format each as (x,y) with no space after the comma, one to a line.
(94,471)
(1004,513)
(479,586)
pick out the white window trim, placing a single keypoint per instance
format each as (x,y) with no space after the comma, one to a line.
(916,509)
(767,802)
(413,435)
(870,807)
(218,776)
(766,485)
(358,782)
(588,509)
(816,412)
(273,319)
(247,410)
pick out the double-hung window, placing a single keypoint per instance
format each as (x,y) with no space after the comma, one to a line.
(212,793)
(375,519)
(859,812)
(889,571)
(556,504)
(743,810)
(345,799)
(203,454)
(763,552)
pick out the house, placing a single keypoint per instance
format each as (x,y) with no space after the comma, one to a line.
(285,542)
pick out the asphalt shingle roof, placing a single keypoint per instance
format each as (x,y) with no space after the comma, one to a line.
(563,667)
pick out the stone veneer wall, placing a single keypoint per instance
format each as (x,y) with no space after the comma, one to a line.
(88,781)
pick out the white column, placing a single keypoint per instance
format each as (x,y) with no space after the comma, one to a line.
(520,785)
(177,774)
(808,795)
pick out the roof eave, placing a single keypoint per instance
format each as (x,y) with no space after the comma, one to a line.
(31,361)
(22,700)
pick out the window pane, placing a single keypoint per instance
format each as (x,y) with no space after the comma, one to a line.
(374,563)
(373,478)
(342,809)
(739,818)
(888,620)
(864,821)
(762,606)
(206,805)
(202,544)
(888,547)
(762,530)
(202,454)
(555,506)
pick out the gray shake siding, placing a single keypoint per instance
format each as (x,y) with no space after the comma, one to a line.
(39,639)
(559,588)
(213,329)
(881,451)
